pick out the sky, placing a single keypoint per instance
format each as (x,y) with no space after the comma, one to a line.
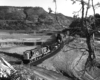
(63,6)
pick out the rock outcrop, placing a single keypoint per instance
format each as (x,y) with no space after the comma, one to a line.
(5,69)
(7,72)
(71,62)
(31,18)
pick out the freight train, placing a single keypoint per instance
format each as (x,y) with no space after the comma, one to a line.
(42,50)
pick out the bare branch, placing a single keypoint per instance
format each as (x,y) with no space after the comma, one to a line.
(88,6)
(97,5)
(74,1)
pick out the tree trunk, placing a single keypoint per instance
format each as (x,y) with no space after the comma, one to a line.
(91,56)
(90,47)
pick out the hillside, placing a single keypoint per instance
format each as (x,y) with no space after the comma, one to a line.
(31,18)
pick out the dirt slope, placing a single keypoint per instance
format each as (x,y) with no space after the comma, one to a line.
(71,61)
(30,18)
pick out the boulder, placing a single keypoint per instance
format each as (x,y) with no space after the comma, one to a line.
(5,68)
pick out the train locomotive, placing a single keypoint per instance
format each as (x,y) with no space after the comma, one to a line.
(35,54)
(43,50)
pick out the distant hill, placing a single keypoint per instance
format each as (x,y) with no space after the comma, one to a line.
(31,18)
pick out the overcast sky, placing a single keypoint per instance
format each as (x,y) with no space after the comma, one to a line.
(63,6)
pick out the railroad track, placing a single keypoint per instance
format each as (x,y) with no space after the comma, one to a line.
(52,53)
(55,45)
(38,55)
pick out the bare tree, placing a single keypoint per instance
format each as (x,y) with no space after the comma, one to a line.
(88,32)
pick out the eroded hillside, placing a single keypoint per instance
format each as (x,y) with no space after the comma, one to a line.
(31,18)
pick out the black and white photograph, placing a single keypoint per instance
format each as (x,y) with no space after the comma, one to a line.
(49,40)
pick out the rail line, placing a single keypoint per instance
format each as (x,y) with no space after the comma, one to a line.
(55,45)
(52,53)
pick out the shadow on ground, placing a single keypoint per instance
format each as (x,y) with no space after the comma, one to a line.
(15,56)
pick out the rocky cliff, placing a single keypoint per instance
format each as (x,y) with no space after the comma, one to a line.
(31,18)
